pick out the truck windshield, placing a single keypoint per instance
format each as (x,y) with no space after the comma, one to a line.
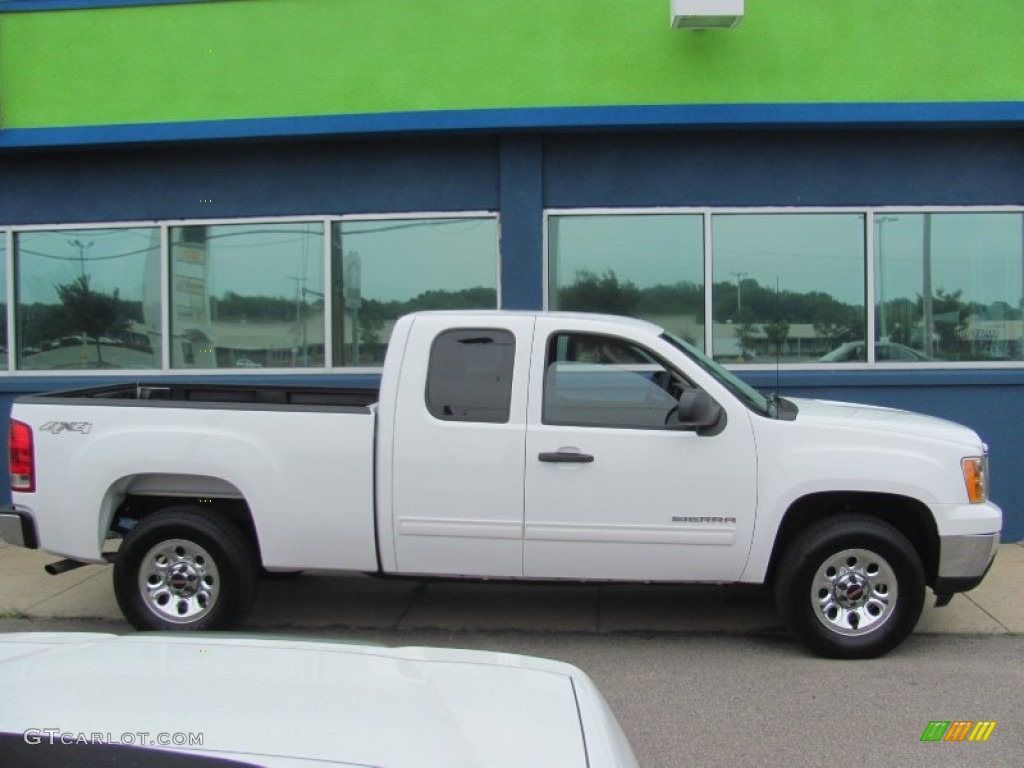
(746,393)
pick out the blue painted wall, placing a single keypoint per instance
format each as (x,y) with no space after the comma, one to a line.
(519,175)
(782,168)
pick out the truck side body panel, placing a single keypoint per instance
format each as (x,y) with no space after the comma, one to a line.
(305,473)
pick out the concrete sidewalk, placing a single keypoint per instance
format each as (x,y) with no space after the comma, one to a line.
(318,601)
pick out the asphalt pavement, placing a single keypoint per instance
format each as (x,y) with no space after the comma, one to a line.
(697,675)
(312,601)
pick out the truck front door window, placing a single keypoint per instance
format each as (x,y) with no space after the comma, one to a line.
(602,381)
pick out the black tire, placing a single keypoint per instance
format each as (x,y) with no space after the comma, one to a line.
(850,587)
(182,569)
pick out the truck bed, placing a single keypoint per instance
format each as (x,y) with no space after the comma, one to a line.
(198,392)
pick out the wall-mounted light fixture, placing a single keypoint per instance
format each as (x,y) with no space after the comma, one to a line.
(706,14)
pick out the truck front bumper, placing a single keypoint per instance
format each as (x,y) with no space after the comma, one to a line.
(964,561)
(17,527)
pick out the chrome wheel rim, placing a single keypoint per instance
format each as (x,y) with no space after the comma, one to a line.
(179,581)
(854,592)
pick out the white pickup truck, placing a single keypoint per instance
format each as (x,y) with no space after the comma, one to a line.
(506,445)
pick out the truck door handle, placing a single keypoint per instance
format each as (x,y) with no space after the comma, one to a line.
(561,457)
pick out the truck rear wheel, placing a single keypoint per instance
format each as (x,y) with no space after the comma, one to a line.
(180,569)
(850,587)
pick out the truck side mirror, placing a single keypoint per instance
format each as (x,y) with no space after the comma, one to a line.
(699,412)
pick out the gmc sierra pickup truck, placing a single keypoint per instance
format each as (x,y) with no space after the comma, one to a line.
(506,445)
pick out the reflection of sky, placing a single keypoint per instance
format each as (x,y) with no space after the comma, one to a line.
(979,253)
(113,259)
(803,252)
(646,250)
(401,259)
(264,259)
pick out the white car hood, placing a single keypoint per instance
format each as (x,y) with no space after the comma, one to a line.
(287,702)
(878,419)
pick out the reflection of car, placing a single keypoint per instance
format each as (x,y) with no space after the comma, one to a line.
(885,351)
(277,702)
(245,362)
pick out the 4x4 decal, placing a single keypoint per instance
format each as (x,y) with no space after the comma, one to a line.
(56,427)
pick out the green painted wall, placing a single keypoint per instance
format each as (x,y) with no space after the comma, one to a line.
(263,58)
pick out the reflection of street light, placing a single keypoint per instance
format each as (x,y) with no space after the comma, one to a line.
(926,280)
(879,222)
(81,252)
(739,289)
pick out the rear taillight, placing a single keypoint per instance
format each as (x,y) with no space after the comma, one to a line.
(22,458)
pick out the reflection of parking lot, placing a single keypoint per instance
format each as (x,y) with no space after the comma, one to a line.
(85,356)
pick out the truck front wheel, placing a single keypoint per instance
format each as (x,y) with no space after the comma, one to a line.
(850,587)
(180,569)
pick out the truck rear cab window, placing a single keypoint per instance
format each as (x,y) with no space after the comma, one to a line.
(470,375)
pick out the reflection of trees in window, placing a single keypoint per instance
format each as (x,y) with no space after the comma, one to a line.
(765,316)
(85,316)
(606,293)
(959,329)
(375,315)
(97,315)
(235,308)
(599,293)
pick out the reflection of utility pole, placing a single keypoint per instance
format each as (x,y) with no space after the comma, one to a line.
(353,296)
(879,269)
(81,253)
(300,321)
(305,341)
(926,253)
(739,290)
(301,292)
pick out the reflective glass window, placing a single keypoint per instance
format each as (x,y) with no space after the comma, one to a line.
(639,265)
(247,295)
(88,299)
(385,268)
(3,300)
(788,287)
(948,286)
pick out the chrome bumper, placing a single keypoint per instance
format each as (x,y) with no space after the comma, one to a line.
(964,561)
(18,528)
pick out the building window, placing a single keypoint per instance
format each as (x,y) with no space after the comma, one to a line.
(948,286)
(639,265)
(88,299)
(246,296)
(787,287)
(470,376)
(385,268)
(3,301)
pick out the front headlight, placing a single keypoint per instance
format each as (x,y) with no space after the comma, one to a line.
(975,471)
